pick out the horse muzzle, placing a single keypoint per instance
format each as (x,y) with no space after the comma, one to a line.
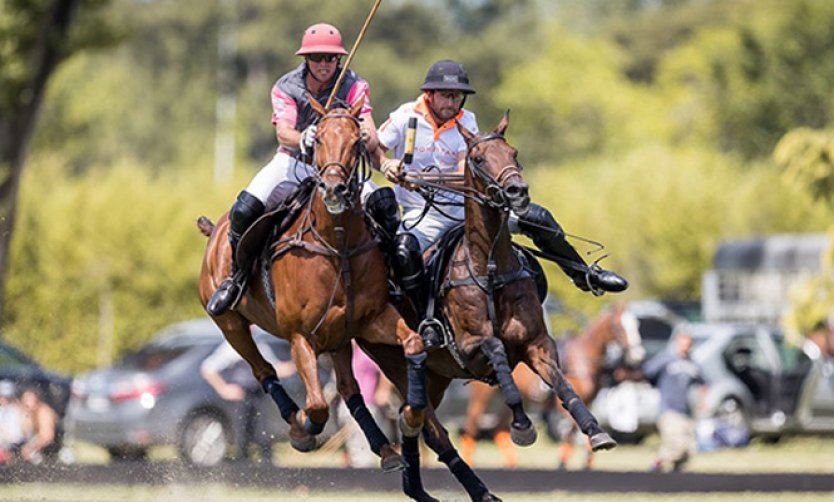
(335,197)
(518,196)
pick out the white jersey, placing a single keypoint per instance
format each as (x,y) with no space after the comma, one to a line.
(441,147)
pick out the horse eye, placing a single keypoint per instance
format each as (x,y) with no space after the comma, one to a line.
(478,160)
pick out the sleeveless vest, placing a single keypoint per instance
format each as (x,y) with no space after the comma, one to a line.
(294,85)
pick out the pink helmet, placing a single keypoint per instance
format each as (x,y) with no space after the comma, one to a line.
(321,38)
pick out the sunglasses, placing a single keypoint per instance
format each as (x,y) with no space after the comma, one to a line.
(327,58)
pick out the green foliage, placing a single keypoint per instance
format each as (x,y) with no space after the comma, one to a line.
(118,234)
(747,84)
(660,212)
(807,157)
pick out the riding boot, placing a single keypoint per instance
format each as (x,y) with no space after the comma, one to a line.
(410,273)
(246,209)
(547,234)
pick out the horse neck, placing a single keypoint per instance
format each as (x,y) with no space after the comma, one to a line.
(595,339)
(352,220)
(482,225)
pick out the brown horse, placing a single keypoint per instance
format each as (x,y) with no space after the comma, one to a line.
(494,310)
(330,283)
(583,365)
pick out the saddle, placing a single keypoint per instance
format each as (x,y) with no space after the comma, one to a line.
(256,244)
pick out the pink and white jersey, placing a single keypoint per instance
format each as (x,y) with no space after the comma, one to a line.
(290,103)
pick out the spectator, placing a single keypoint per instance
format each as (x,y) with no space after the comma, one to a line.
(40,427)
(376,390)
(673,372)
(231,377)
(11,421)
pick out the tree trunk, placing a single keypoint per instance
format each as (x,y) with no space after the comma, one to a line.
(17,123)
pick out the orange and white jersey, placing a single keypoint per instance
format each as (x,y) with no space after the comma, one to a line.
(437,147)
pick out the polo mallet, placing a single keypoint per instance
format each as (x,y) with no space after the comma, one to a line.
(352,53)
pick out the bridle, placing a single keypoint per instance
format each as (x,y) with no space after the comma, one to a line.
(352,180)
(494,195)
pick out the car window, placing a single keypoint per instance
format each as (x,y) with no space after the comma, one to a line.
(791,358)
(158,354)
(12,359)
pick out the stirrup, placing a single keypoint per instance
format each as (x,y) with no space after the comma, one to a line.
(431,331)
(593,268)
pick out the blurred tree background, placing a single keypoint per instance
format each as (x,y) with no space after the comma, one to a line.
(657,127)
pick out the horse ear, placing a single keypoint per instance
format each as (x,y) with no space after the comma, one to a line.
(467,136)
(502,126)
(356,109)
(316,105)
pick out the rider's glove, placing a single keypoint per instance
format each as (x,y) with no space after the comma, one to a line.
(392,169)
(308,139)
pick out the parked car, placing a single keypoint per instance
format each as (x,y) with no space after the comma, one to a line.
(24,372)
(756,381)
(156,396)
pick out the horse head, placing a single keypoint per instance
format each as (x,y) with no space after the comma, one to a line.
(493,164)
(337,149)
(624,328)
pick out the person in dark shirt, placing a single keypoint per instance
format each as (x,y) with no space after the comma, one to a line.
(674,373)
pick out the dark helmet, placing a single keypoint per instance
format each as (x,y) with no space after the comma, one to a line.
(447,75)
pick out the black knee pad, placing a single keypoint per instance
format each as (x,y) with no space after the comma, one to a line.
(246,209)
(383,208)
(408,261)
(538,216)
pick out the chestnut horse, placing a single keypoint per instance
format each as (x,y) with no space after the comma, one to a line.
(583,365)
(330,283)
(493,307)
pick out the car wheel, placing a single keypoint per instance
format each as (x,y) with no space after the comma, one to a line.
(204,439)
(128,453)
(731,412)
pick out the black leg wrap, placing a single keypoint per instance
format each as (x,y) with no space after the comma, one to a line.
(286,405)
(464,474)
(412,482)
(581,414)
(497,356)
(366,422)
(417,381)
(494,351)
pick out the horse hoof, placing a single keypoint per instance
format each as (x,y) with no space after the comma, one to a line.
(523,437)
(393,463)
(304,444)
(488,497)
(602,441)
